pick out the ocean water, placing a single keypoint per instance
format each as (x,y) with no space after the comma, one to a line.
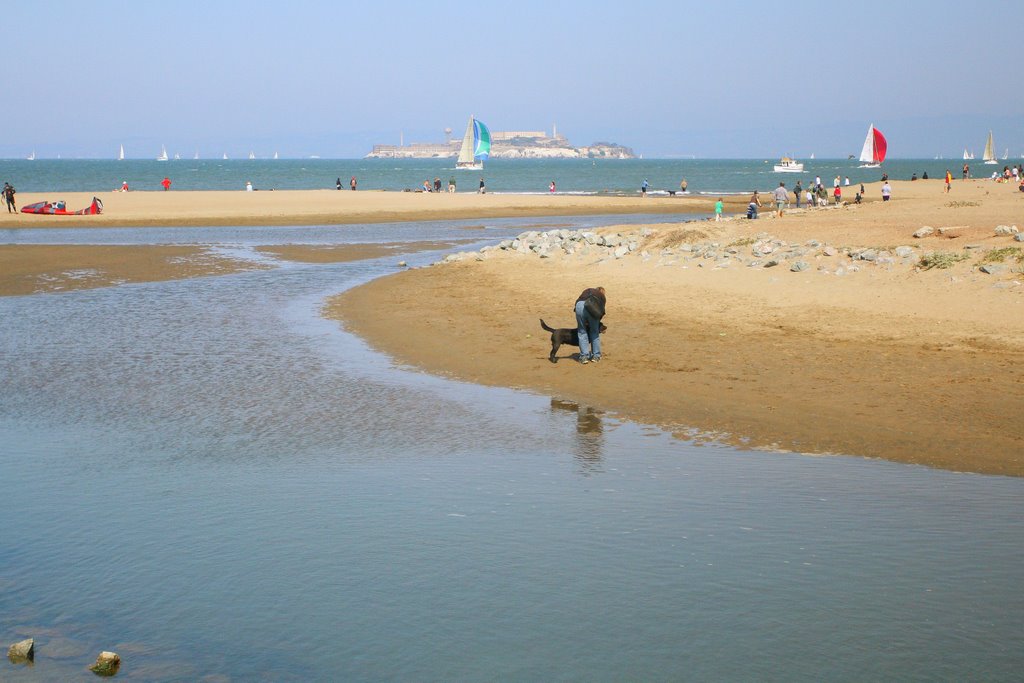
(211,479)
(611,176)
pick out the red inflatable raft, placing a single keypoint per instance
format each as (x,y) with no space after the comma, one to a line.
(58,208)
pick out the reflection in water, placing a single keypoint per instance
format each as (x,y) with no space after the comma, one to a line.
(588,446)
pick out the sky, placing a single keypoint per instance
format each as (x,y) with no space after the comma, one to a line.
(668,79)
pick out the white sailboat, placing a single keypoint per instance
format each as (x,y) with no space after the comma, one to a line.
(476,146)
(275,155)
(196,155)
(252,156)
(163,154)
(989,157)
(873,152)
(225,157)
(31,157)
(968,155)
(1006,154)
(120,153)
(812,156)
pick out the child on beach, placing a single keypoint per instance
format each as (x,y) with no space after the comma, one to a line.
(718,210)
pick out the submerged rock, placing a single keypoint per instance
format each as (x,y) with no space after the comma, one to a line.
(107,664)
(22,651)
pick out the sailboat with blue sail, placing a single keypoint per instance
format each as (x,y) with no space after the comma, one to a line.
(476,146)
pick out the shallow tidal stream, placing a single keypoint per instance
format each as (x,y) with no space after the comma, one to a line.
(212,480)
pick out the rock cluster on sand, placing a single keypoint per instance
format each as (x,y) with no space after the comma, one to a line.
(761,251)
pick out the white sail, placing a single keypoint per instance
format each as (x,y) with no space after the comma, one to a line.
(163,154)
(466,151)
(120,153)
(196,155)
(251,155)
(275,155)
(867,153)
(32,156)
(989,157)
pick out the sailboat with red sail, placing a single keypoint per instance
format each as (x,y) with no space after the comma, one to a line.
(873,152)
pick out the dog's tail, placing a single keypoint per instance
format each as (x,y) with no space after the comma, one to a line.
(544,325)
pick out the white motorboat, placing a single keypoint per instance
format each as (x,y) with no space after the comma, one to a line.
(787,165)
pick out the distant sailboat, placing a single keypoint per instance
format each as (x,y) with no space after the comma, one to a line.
(120,153)
(812,155)
(251,155)
(873,152)
(177,156)
(163,154)
(196,155)
(1006,154)
(476,146)
(31,157)
(225,157)
(275,155)
(989,157)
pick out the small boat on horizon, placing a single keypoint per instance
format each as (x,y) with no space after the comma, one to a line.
(787,165)
(163,154)
(873,153)
(120,153)
(31,157)
(476,146)
(252,156)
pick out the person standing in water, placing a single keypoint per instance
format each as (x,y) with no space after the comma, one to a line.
(483,188)
(338,183)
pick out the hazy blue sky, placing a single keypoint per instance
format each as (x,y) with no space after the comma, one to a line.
(724,79)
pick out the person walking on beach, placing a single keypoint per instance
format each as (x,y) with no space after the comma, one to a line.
(551,187)
(9,193)
(451,185)
(886,191)
(809,197)
(166,182)
(352,183)
(338,183)
(718,210)
(781,197)
(838,195)
(643,188)
(949,180)
(483,188)
(797,190)
(589,310)
(967,171)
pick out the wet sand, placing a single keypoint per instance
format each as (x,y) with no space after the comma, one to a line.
(888,361)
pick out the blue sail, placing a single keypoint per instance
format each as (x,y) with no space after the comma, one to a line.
(481,141)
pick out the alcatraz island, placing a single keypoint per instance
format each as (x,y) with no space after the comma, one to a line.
(516,144)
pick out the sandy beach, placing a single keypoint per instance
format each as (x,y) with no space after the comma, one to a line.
(875,356)
(863,351)
(324,207)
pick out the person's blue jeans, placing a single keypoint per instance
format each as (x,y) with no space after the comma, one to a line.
(590,333)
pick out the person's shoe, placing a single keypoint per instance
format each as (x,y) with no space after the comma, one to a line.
(584,361)
(596,359)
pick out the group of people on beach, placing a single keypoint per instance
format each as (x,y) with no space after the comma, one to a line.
(814,195)
(351,183)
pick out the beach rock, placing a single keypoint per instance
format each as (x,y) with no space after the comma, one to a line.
(22,651)
(1006,230)
(771,264)
(904,252)
(799,266)
(621,251)
(813,244)
(829,251)
(867,255)
(993,268)
(505,244)
(924,231)
(1019,237)
(107,664)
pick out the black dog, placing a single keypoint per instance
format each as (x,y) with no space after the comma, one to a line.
(564,335)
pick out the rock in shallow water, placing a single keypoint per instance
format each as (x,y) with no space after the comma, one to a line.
(23,651)
(107,664)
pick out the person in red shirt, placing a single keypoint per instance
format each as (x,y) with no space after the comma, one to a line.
(166,182)
(838,194)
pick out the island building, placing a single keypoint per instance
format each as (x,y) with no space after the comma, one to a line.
(511,144)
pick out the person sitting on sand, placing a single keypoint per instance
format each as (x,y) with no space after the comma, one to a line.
(588,322)
(913,176)
(248,186)
(426,186)
(451,185)
(856,198)
(124,186)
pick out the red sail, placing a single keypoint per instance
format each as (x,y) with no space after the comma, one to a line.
(879,146)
